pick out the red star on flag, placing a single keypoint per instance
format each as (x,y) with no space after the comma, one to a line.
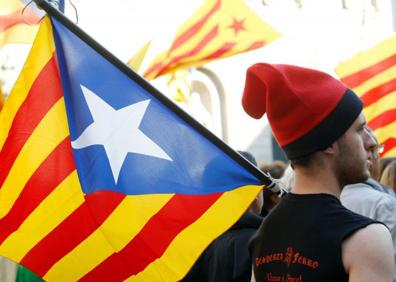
(237,25)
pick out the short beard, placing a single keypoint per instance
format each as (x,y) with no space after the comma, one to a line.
(346,176)
(349,169)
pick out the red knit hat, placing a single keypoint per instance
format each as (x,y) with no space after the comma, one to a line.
(307,109)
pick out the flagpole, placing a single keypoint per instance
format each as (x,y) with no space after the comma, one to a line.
(266,179)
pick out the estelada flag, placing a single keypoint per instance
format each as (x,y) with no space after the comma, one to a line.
(218,29)
(372,75)
(102,178)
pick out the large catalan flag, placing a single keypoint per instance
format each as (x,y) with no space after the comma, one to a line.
(372,75)
(219,29)
(102,178)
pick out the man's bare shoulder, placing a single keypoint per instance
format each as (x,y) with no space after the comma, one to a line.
(368,254)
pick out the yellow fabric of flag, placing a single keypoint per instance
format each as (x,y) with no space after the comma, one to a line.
(17,25)
(136,61)
(218,29)
(2,99)
(372,75)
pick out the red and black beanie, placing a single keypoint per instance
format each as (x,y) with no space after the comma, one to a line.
(307,109)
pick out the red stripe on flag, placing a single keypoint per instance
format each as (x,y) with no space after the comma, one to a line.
(256,45)
(194,28)
(155,237)
(17,17)
(58,165)
(202,44)
(378,92)
(389,144)
(184,37)
(226,47)
(383,119)
(37,103)
(72,231)
(163,68)
(355,79)
(153,69)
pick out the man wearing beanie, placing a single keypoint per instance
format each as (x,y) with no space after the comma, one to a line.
(310,236)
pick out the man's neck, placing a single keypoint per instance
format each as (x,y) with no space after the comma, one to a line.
(316,182)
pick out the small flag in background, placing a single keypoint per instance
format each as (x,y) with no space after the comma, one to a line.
(136,61)
(219,29)
(2,99)
(15,26)
(19,20)
(102,178)
(372,75)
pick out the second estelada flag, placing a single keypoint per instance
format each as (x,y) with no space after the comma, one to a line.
(102,179)
(372,75)
(218,29)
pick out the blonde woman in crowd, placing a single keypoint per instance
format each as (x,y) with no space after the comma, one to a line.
(388,176)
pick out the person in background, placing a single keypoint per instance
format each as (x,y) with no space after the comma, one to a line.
(388,177)
(287,179)
(7,270)
(375,166)
(383,163)
(227,258)
(370,198)
(309,235)
(276,170)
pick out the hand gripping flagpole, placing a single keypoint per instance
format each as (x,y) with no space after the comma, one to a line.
(266,179)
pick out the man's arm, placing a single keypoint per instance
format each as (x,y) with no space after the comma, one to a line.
(385,213)
(368,255)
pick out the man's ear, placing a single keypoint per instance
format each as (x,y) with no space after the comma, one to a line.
(332,149)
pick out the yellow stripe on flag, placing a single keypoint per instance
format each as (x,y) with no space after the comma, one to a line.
(49,214)
(196,237)
(114,234)
(38,57)
(382,105)
(51,130)
(136,61)
(386,132)
(367,58)
(391,152)
(376,80)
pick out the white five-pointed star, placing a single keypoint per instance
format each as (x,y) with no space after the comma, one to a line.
(118,131)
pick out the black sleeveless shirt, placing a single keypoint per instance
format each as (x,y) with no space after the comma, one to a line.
(300,240)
